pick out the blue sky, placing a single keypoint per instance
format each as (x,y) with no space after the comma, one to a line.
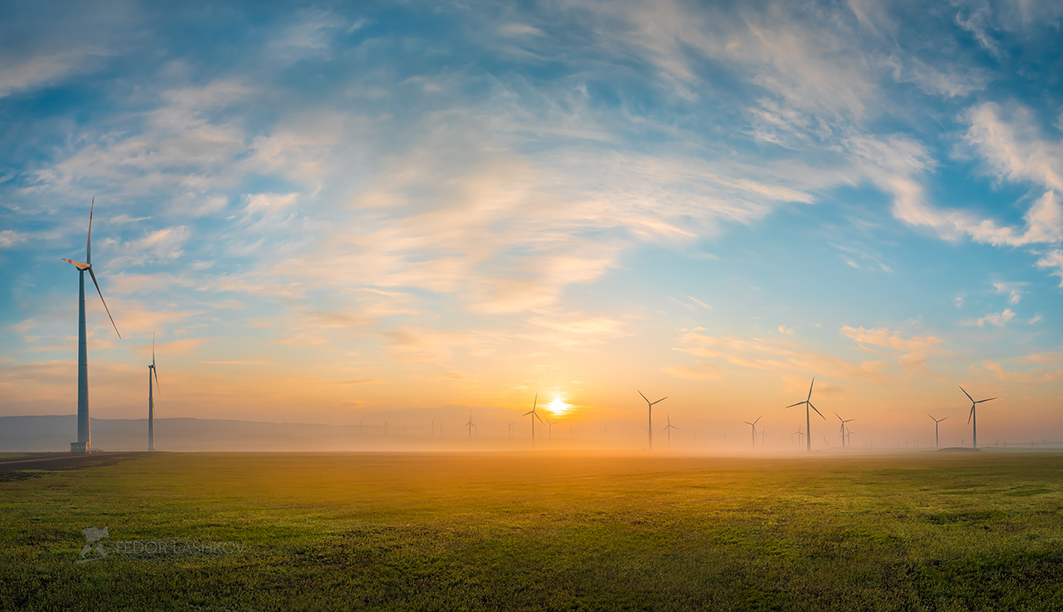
(327,211)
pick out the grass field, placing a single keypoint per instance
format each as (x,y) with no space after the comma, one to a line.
(443,531)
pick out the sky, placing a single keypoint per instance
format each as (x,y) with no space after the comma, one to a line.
(350,212)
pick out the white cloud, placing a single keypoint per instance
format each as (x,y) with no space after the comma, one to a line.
(10,238)
(1012,290)
(996,318)
(1053,259)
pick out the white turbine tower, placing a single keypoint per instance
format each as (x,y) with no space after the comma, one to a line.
(84,443)
(937,440)
(753,425)
(649,407)
(668,428)
(151,398)
(534,415)
(808,422)
(973,418)
(471,425)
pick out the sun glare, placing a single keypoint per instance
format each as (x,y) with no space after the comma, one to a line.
(558,406)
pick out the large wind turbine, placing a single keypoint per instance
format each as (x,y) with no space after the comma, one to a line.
(668,428)
(937,444)
(649,406)
(844,421)
(973,418)
(754,426)
(84,443)
(808,421)
(534,415)
(151,398)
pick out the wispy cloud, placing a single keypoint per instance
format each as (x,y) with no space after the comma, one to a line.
(997,318)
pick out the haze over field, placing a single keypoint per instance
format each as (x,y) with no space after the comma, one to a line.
(348,214)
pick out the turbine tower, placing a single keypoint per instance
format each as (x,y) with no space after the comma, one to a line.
(534,415)
(151,398)
(84,443)
(471,425)
(668,429)
(754,426)
(937,444)
(844,421)
(649,406)
(973,418)
(808,421)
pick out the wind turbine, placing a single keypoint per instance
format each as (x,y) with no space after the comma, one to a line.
(937,444)
(808,422)
(844,421)
(754,426)
(433,427)
(649,406)
(800,435)
(668,429)
(550,430)
(84,443)
(534,415)
(973,418)
(151,398)
(510,423)
(471,425)
(385,428)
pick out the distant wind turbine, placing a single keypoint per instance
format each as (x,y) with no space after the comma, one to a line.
(844,421)
(800,435)
(649,406)
(937,443)
(151,398)
(510,423)
(550,428)
(753,425)
(973,418)
(534,415)
(84,443)
(385,428)
(470,425)
(808,422)
(668,428)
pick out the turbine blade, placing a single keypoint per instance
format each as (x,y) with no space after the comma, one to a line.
(810,388)
(643,396)
(88,242)
(529,412)
(536,402)
(817,411)
(931,416)
(758,419)
(985,400)
(839,417)
(659,401)
(156,373)
(966,393)
(93,275)
(797,404)
(80,265)
(970,415)
(153,350)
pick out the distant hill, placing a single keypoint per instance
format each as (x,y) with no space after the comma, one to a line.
(55,432)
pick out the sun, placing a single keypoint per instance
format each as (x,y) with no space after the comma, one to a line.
(558,406)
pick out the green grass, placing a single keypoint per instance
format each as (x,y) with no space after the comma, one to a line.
(533,532)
